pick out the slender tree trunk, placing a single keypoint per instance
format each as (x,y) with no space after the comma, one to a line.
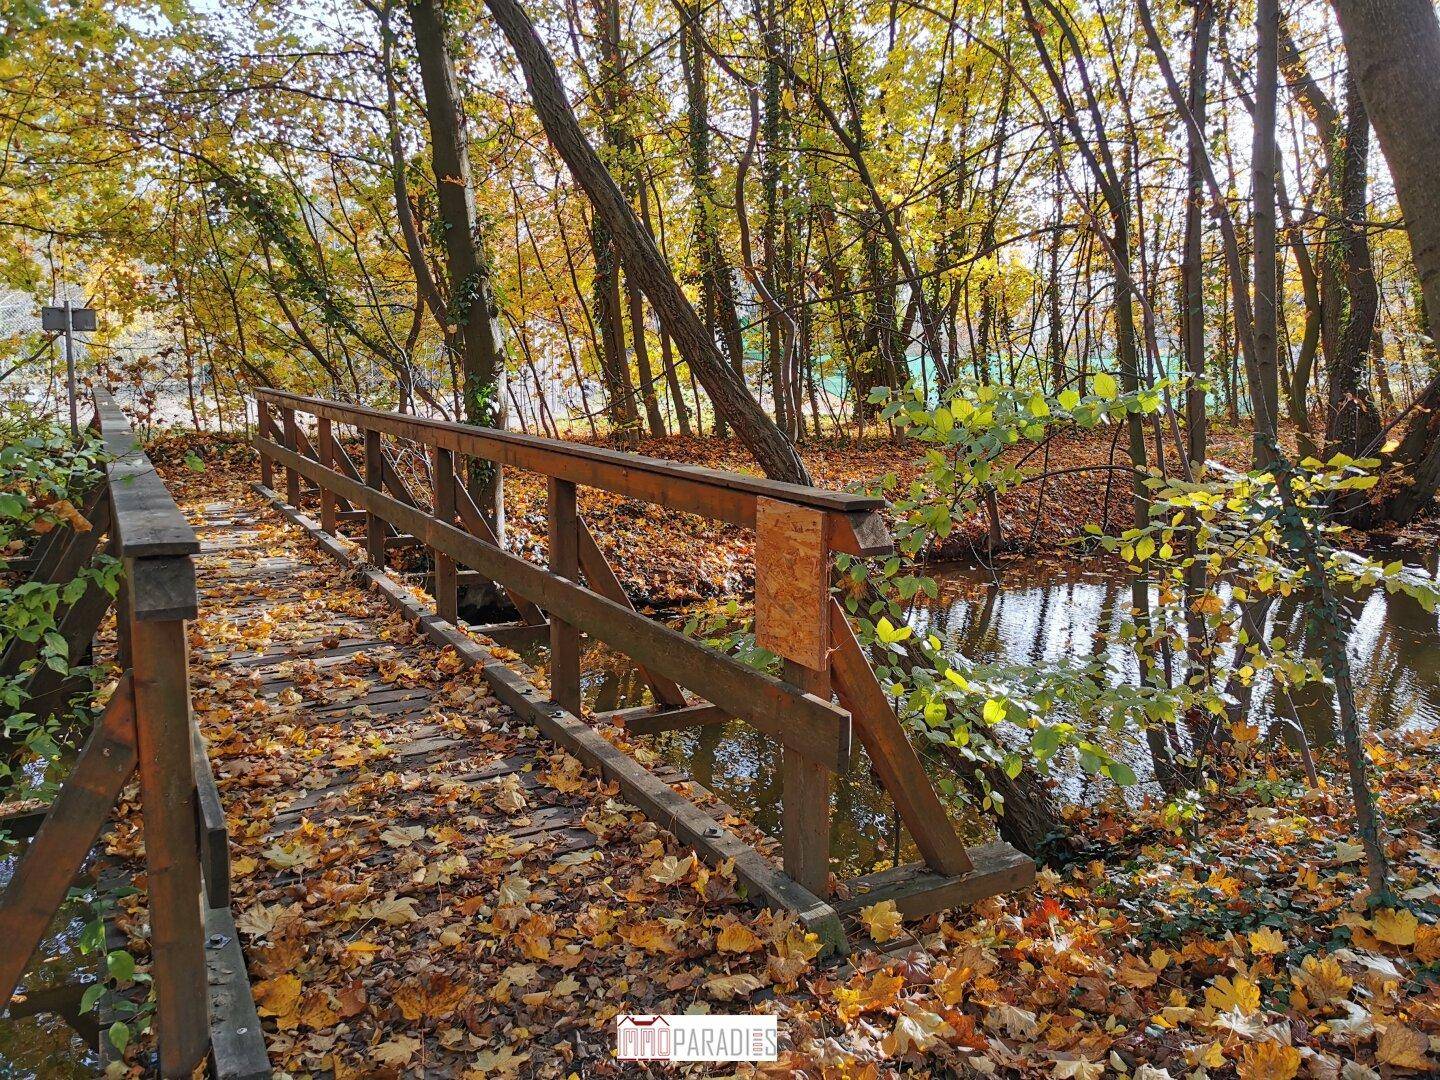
(1191,267)
(1264,373)
(772,450)
(472,307)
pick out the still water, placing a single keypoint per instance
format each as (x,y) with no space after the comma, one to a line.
(1037,617)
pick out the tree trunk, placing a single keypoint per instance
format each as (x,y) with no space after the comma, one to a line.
(1394,52)
(1264,373)
(1191,268)
(774,453)
(472,307)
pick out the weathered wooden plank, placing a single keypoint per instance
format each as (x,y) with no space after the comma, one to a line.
(475,522)
(917,890)
(167,797)
(661,803)
(146,519)
(374,477)
(564,529)
(792,583)
(43,877)
(292,440)
(891,751)
(237,1042)
(515,635)
(805,801)
(600,576)
(707,492)
(799,720)
(650,720)
(447,597)
(162,588)
(214,835)
(325,435)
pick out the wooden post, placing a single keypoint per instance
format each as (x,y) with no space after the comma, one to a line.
(292,442)
(266,423)
(792,619)
(564,562)
(172,843)
(446,580)
(374,478)
(325,435)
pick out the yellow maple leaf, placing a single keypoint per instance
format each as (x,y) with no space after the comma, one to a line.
(738,938)
(1324,979)
(1396,926)
(1224,994)
(1266,942)
(650,936)
(278,997)
(1268,1060)
(879,992)
(882,920)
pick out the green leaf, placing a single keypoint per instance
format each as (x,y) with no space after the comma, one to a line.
(1122,774)
(1104,386)
(119,1035)
(1038,406)
(120,965)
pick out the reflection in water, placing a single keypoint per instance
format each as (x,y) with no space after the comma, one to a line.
(1038,617)
(44,1047)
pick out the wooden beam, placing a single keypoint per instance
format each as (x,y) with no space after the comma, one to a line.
(918,891)
(564,529)
(167,798)
(799,720)
(237,1041)
(708,493)
(600,576)
(891,751)
(649,720)
(147,521)
(292,440)
(374,477)
(42,878)
(447,598)
(325,434)
(214,834)
(475,522)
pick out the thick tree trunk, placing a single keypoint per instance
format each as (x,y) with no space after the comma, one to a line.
(774,453)
(472,307)
(1394,52)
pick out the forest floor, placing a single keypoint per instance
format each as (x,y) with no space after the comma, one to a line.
(411,925)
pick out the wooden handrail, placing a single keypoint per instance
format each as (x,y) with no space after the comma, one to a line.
(147,521)
(723,496)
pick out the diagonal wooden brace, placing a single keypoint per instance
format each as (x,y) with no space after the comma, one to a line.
(56,855)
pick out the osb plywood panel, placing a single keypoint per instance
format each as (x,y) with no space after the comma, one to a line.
(792,584)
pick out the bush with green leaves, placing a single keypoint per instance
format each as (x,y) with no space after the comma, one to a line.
(44,480)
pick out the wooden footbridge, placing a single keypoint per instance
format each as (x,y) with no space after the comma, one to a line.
(361,509)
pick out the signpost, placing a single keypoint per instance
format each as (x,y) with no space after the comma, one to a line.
(69,319)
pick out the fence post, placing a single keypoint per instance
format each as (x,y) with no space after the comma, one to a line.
(325,436)
(159,659)
(564,523)
(266,424)
(792,619)
(446,581)
(374,480)
(292,443)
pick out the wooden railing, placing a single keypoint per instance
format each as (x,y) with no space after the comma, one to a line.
(797,530)
(147,727)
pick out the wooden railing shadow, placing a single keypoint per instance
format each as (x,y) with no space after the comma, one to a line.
(202,996)
(826,689)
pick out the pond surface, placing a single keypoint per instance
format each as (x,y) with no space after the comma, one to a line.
(43,1046)
(1043,616)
